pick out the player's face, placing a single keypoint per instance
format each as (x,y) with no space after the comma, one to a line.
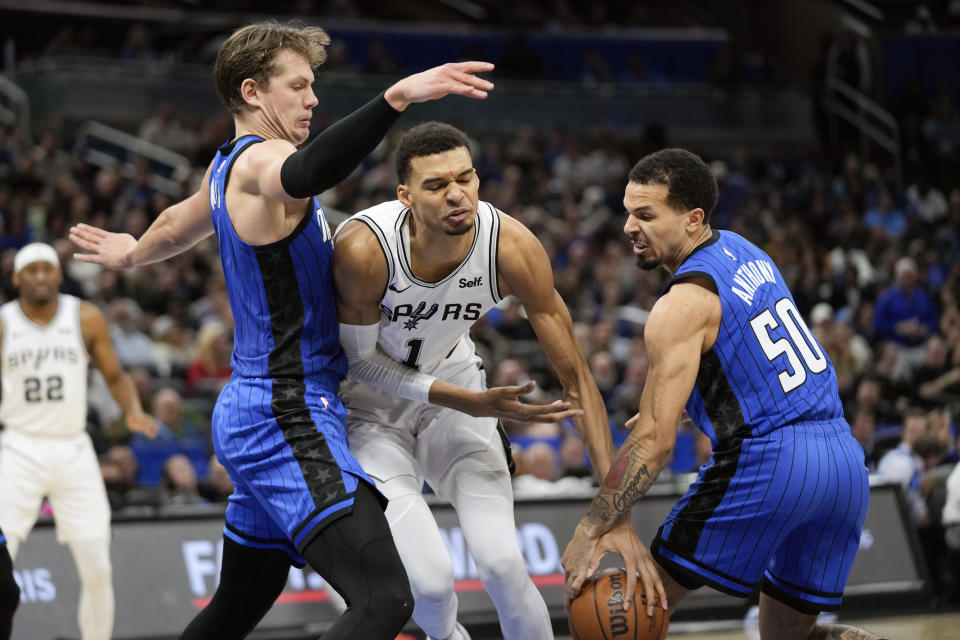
(288,100)
(38,282)
(656,230)
(442,191)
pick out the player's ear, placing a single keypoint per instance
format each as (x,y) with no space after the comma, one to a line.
(403,195)
(249,91)
(695,219)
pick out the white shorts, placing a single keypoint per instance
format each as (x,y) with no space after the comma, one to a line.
(391,436)
(66,471)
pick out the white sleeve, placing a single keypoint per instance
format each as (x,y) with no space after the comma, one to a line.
(370,364)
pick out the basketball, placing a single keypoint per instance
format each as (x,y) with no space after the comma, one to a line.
(597,613)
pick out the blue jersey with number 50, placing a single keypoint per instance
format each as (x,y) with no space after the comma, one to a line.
(766,369)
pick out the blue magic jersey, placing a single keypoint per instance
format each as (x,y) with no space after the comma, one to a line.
(766,369)
(281,293)
(279,426)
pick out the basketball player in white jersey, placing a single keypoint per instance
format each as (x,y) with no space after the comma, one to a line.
(412,276)
(47,341)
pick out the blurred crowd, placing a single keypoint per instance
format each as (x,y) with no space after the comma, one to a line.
(874,268)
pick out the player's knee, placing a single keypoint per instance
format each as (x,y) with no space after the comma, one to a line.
(499,563)
(433,579)
(93,564)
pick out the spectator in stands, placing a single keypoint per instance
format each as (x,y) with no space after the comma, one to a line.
(216,486)
(574,461)
(69,284)
(905,314)
(937,380)
(927,201)
(538,474)
(167,407)
(863,426)
(604,370)
(885,217)
(132,345)
(165,130)
(179,485)
(903,465)
(171,347)
(210,369)
(120,468)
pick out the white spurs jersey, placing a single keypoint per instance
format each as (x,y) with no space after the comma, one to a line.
(421,323)
(43,371)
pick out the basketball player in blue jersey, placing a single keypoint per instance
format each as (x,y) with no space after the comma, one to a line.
(278,426)
(782,500)
(9,591)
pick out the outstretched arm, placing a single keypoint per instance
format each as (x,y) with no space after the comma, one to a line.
(97,339)
(177,229)
(360,278)
(334,154)
(682,325)
(525,272)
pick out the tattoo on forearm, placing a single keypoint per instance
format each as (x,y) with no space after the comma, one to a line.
(619,467)
(840,632)
(626,482)
(636,487)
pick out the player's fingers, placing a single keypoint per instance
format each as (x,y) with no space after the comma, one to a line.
(631,587)
(554,417)
(471,66)
(661,590)
(87,231)
(515,391)
(473,93)
(632,422)
(473,81)
(88,257)
(649,588)
(80,239)
(572,590)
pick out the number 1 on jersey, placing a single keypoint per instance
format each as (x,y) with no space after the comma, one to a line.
(413,356)
(804,343)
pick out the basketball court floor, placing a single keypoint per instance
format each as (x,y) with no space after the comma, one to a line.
(930,627)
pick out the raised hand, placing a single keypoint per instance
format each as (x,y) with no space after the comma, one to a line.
(455,78)
(105,248)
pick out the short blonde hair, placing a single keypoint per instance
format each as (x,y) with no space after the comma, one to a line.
(251,52)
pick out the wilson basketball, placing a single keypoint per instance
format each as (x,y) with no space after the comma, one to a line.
(597,613)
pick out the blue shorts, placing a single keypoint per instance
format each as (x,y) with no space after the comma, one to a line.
(786,508)
(284,444)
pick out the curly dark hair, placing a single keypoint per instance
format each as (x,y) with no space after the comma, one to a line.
(425,140)
(687,177)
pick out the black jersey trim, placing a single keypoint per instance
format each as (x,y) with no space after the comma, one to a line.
(712,240)
(309,446)
(494,253)
(689,523)
(688,275)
